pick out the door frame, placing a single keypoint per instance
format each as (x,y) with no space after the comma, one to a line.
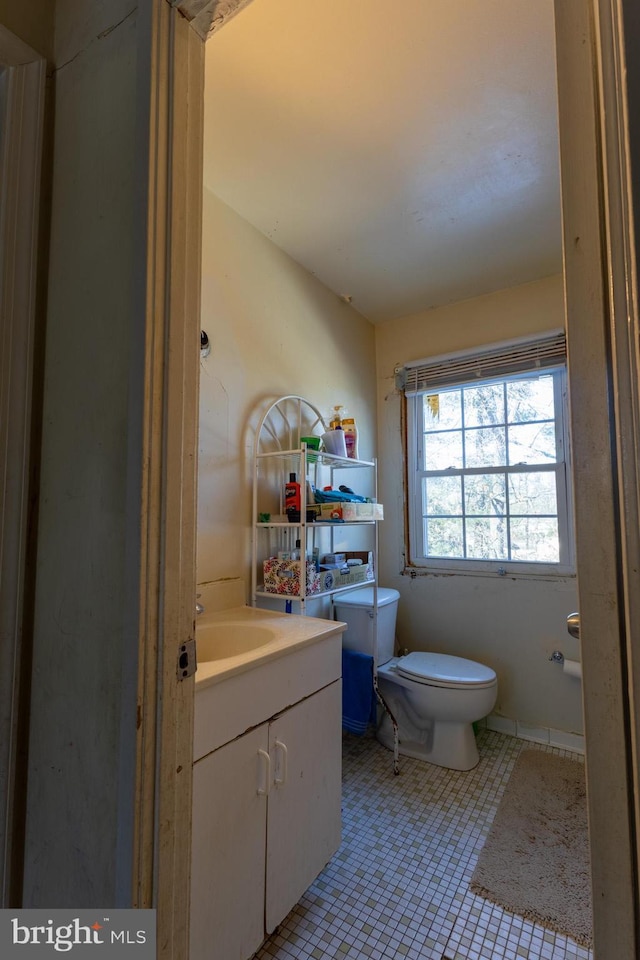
(165,403)
(602,332)
(20,176)
(602,320)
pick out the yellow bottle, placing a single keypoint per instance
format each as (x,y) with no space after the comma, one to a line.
(336,420)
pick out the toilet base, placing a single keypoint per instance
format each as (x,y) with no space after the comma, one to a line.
(451,745)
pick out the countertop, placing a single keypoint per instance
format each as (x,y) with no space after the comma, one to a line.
(292,633)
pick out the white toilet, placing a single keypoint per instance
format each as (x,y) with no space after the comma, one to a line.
(435,698)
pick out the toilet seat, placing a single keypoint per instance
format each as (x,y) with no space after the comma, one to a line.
(443,670)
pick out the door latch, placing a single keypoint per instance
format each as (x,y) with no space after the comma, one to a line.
(187,662)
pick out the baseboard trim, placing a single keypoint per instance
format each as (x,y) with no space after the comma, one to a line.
(524,731)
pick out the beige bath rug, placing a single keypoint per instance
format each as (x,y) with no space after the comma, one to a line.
(535,861)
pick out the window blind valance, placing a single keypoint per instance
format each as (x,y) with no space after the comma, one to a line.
(496,360)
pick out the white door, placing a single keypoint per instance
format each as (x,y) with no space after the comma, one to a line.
(230,789)
(304,804)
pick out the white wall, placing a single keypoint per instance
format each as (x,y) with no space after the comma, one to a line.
(274,330)
(512,625)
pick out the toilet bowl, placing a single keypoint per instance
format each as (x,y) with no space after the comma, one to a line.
(434,697)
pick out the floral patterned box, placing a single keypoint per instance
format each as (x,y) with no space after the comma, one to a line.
(283,577)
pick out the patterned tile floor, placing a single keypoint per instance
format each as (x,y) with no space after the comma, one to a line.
(399,885)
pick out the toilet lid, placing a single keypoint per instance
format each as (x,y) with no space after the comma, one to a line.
(442,670)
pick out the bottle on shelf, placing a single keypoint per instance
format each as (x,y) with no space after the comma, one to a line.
(334,442)
(350,436)
(335,419)
(339,421)
(292,499)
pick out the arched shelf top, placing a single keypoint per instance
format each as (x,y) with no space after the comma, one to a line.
(284,422)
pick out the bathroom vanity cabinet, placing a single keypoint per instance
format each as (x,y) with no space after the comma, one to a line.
(266,802)
(280,450)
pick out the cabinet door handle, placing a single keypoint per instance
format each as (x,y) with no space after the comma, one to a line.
(264,791)
(284,753)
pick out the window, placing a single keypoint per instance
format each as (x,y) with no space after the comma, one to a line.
(487,464)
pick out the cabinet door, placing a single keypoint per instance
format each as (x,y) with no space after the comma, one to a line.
(228,849)
(304,816)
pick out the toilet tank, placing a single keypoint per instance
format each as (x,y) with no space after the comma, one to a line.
(356,609)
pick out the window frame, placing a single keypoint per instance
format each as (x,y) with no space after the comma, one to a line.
(416,561)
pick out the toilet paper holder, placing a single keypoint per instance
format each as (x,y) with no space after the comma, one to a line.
(571,668)
(573,626)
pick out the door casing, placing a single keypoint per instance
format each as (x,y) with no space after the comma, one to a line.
(21,143)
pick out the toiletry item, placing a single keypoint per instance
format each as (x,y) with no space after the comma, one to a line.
(287,606)
(292,499)
(313,443)
(336,417)
(334,442)
(284,555)
(334,559)
(295,554)
(350,437)
(572,668)
(311,494)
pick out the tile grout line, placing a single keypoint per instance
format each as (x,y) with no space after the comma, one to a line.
(398,886)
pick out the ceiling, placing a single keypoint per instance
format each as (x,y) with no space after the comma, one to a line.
(404,153)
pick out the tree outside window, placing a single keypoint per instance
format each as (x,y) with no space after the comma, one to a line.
(488,473)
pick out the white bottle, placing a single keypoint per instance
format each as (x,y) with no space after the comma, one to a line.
(334,442)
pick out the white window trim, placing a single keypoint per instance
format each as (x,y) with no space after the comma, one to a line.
(417,565)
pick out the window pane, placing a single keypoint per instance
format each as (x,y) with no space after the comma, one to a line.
(485,447)
(442,411)
(535,539)
(533,493)
(443,496)
(484,405)
(443,538)
(442,450)
(532,443)
(487,472)
(487,538)
(530,399)
(485,494)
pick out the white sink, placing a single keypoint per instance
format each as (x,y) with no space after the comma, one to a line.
(217,641)
(236,640)
(254,663)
